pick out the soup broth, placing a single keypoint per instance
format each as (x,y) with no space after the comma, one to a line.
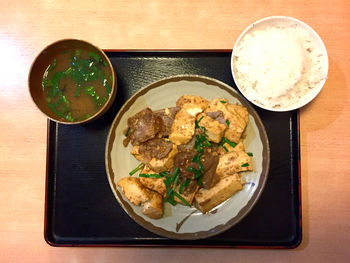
(77,84)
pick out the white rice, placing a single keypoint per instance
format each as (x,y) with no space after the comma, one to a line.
(277,65)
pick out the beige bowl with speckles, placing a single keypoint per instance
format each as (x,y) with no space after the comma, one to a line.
(182,222)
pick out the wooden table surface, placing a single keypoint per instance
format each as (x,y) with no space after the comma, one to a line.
(26,27)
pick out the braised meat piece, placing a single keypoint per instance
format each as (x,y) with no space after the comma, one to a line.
(192,187)
(167,115)
(188,146)
(217,115)
(183,160)
(210,162)
(155,148)
(143,126)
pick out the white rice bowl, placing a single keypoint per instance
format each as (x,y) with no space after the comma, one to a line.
(279,63)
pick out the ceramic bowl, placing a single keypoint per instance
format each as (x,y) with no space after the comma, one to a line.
(182,222)
(45,58)
(248,63)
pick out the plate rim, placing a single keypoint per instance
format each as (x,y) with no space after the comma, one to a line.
(244,211)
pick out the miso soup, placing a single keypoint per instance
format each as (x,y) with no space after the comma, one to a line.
(77,84)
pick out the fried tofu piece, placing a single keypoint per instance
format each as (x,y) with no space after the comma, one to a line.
(138,194)
(241,111)
(238,148)
(153,208)
(233,162)
(134,190)
(183,128)
(189,197)
(214,129)
(234,114)
(157,165)
(155,184)
(192,104)
(235,130)
(205,200)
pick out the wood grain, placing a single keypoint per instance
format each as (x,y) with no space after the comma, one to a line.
(27,26)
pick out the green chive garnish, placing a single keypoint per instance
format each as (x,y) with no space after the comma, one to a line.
(175,175)
(167,183)
(228,123)
(187,182)
(175,182)
(139,167)
(127,132)
(181,188)
(166,173)
(198,175)
(225,140)
(250,154)
(232,144)
(52,65)
(191,169)
(170,198)
(151,175)
(245,165)
(69,117)
(223,102)
(94,56)
(196,123)
(182,199)
(196,158)
(172,201)
(77,91)
(199,182)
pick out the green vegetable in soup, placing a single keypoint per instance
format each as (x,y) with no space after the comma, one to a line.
(77,84)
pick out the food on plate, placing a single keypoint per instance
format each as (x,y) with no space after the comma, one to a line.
(137,193)
(277,65)
(192,154)
(225,188)
(77,84)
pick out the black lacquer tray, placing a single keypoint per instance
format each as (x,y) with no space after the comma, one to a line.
(81,209)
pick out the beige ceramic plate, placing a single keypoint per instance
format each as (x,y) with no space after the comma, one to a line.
(182,222)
